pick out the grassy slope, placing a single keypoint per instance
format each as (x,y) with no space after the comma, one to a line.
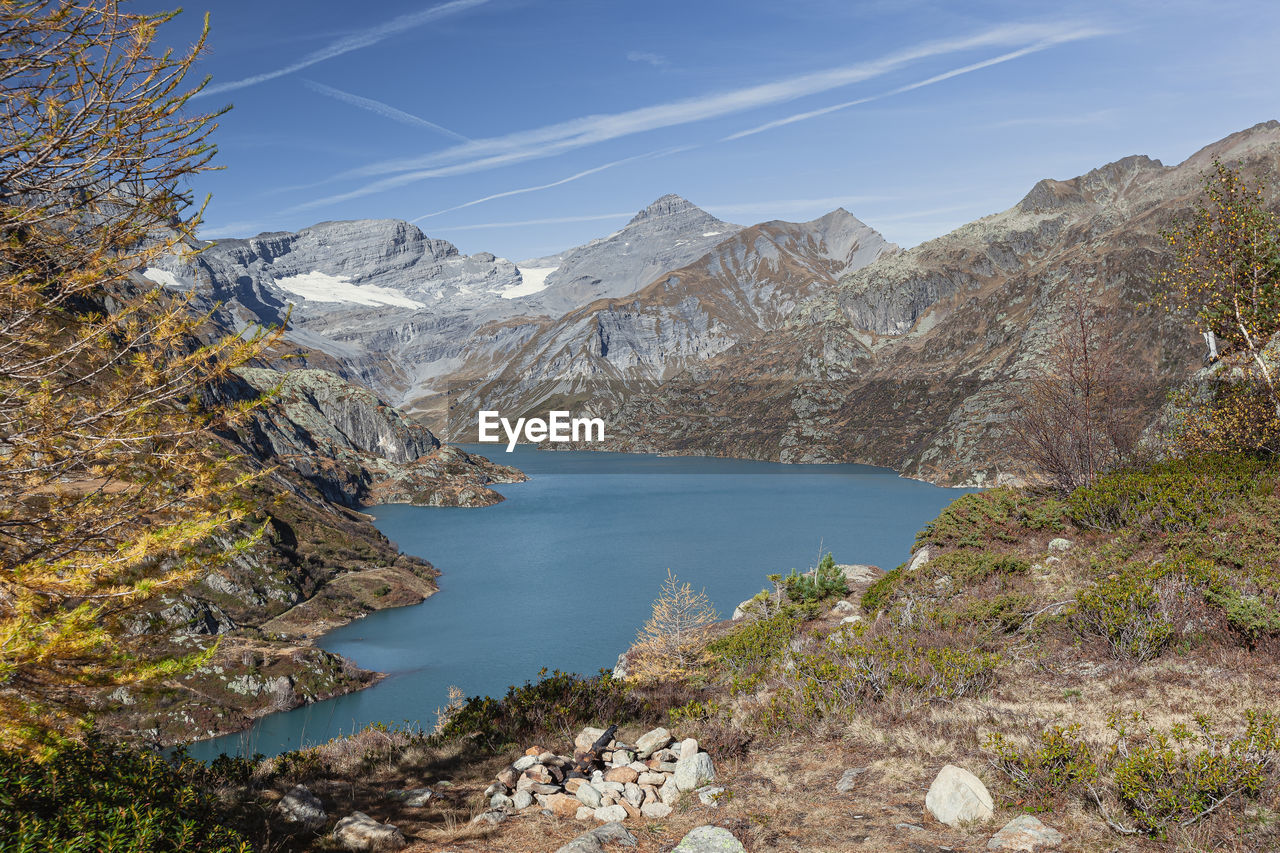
(1166,604)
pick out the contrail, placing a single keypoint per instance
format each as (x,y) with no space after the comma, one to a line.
(355,41)
(384,110)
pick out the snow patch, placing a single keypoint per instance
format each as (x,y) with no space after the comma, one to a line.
(322,287)
(532,280)
(712,233)
(164,278)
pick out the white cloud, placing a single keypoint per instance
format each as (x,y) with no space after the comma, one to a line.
(378,107)
(346,44)
(938,78)
(547,141)
(657,60)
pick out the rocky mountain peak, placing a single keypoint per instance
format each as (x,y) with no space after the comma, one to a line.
(669,205)
(1096,186)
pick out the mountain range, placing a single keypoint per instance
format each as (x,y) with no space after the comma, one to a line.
(833,344)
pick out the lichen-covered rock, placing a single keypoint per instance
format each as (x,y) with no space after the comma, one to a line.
(302,808)
(694,770)
(1025,834)
(709,839)
(359,832)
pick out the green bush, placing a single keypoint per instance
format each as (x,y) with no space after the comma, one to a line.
(748,652)
(1177,776)
(558,704)
(851,670)
(1138,608)
(962,570)
(1169,496)
(102,798)
(1046,774)
(979,519)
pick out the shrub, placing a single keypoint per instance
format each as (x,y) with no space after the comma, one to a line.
(1045,774)
(101,798)
(978,519)
(852,670)
(1175,777)
(913,595)
(1140,608)
(825,583)
(749,651)
(557,705)
(1168,496)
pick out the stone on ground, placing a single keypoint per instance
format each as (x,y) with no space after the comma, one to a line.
(657,811)
(650,742)
(414,798)
(302,808)
(849,779)
(709,839)
(594,841)
(357,831)
(588,795)
(606,814)
(1025,834)
(693,770)
(956,796)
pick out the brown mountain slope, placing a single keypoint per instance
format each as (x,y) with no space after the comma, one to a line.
(908,363)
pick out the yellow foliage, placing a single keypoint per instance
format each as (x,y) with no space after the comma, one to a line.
(673,641)
(1226,271)
(113,486)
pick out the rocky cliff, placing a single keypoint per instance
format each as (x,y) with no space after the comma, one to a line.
(910,362)
(404,314)
(595,357)
(322,447)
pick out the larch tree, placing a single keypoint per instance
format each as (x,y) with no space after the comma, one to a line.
(113,488)
(671,640)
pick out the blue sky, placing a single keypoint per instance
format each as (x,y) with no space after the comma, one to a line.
(523,127)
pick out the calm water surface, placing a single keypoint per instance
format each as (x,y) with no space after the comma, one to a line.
(564,571)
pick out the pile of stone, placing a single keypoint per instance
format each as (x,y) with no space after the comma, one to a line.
(605,779)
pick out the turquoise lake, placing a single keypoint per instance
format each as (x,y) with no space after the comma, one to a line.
(564,571)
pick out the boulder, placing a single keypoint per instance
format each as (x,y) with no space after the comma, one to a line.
(709,839)
(523,799)
(844,608)
(1025,834)
(1059,544)
(563,805)
(957,796)
(303,809)
(656,811)
(621,774)
(502,801)
(358,831)
(652,741)
(493,817)
(633,794)
(605,814)
(588,795)
(918,559)
(524,762)
(694,770)
(594,841)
